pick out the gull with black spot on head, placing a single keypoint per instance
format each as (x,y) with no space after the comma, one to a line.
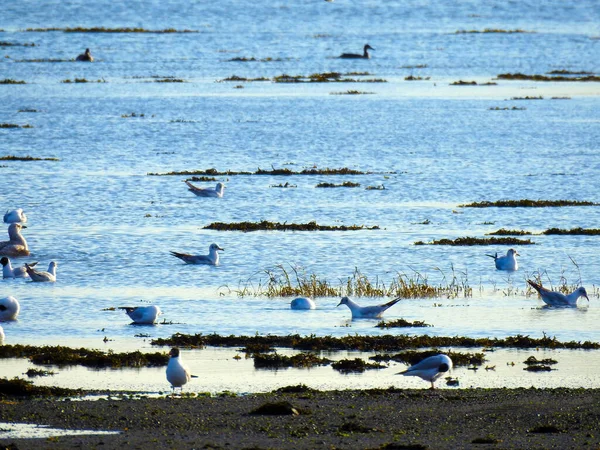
(178,373)
(8,271)
(430,369)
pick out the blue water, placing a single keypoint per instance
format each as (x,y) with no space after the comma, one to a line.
(432,146)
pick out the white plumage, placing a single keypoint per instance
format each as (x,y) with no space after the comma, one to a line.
(41,276)
(207,192)
(177,373)
(142,314)
(9,309)
(211,259)
(370,312)
(302,303)
(507,262)
(554,298)
(430,369)
(15,216)
(8,271)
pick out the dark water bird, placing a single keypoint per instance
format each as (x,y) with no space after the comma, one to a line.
(507,262)
(177,373)
(143,315)
(15,216)
(8,271)
(430,369)
(553,298)
(87,56)
(207,192)
(366,312)
(365,54)
(16,245)
(212,259)
(41,276)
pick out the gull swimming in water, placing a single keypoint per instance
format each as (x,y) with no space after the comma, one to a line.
(142,314)
(372,312)
(365,54)
(86,56)
(507,262)
(207,192)
(177,373)
(41,276)
(211,259)
(17,245)
(9,308)
(15,216)
(18,272)
(302,303)
(430,369)
(554,298)
(2,335)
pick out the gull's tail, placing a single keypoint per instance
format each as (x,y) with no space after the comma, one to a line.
(391,303)
(493,256)
(536,286)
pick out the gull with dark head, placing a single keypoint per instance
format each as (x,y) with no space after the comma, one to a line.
(207,192)
(507,262)
(9,308)
(553,298)
(142,315)
(430,369)
(41,276)
(211,259)
(17,272)
(16,245)
(177,373)
(15,216)
(367,312)
(365,54)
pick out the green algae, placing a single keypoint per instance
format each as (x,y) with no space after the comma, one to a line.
(469,241)
(526,203)
(277,226)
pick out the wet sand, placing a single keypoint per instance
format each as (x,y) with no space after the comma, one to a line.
(353,419)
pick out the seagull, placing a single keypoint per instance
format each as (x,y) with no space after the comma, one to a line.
(207,192)
(2,335)
(87,56)
(9,308)
(38,275)
(142,314)
(508,262)
(17,245)
(15,216)
(211,259)
(302,303)
(177,373)
(371,312)
(553,298)
(430,369)
(365,54)
(17,272)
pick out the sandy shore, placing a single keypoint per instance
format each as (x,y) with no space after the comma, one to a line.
(373,419)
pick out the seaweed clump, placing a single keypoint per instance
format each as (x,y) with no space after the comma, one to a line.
(349,184)
(109,30)
(469,241)
(355,365)
(277,226)
(573,231)
(18,387)
(539,365)
(11,81)
(505,232)
(259,171)
(401,323)
(276,361)
(25,158)
(526,203)
(521,76)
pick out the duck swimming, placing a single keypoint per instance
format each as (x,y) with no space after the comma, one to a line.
(87,56)
(17,245)
(365,54)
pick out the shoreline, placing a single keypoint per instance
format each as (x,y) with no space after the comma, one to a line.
(370,419)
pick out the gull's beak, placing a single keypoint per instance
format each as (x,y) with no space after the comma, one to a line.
(222,249)
(23,226)
(338,304)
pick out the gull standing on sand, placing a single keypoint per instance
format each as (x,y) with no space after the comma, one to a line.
(15,216)
(17,245)
(553,298)
(142,314)
(177,373)
(40,276)
(302,303)
(365,54)
(86,56)
(507,262)
(430,369)
(211,259)
(9,308)
(207,192)
(18,272)
(372,312)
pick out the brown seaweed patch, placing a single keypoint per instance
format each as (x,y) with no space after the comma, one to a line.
(573,231)
(284,171)
(25,158)
(109,30)
(468,241)
(356,365)
(401,323)
(569,72)
(239,79)
(527,97)
(14,125)
(28,110)
(504,232)
(283,185)
(201,179)
(265,225)
(39,373)
(82,80)
(277,361)
(506,108)
(351,92)
(492,30)
(253,59)
(169,80)
(545,429)
(413,78)
(344,184)
(16,44)
(11,81)
(521,76)
(353,427)
(525,203)
(18,387)
(533,361)
(463,83)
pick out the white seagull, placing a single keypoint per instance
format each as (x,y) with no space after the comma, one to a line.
(430,369)
(9,308)
(40,276)
(211,259)
(553,298)
(2,335)
(508,262)
(302,303)
(177,373)
(17,245)
(15,216)
(142,314)
(371,312)
(18,272)
(207,192)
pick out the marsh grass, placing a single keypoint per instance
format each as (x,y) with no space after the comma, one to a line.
(526,203)
(283,283)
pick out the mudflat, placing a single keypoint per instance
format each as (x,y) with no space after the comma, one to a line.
(301,418)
